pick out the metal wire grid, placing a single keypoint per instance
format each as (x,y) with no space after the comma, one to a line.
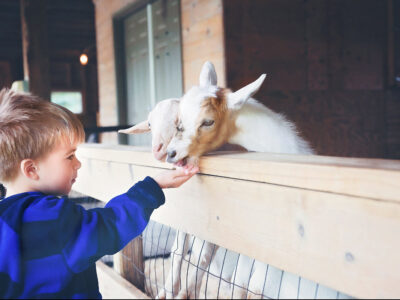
(154,285)
(162,250)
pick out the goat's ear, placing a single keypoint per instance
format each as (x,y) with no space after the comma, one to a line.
(208,76)
(238,98)
(138,128)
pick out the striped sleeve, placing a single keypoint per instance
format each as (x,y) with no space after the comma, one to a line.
(87,235)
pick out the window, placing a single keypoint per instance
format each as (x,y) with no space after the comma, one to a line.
(150,50)
(70,100)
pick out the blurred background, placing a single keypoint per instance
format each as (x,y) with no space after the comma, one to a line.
(333,65)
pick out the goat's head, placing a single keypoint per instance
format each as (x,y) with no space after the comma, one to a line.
(206,117)
(161,121)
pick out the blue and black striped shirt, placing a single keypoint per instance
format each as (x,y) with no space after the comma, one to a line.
(49,245)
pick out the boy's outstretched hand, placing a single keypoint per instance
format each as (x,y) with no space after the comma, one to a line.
(175,178)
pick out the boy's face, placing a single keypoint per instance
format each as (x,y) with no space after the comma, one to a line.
(58,170)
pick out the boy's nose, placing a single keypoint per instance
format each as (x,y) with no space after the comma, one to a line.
(78,164)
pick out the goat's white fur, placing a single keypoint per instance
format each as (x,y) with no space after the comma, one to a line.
(259,129)
(162,125)
(278,135)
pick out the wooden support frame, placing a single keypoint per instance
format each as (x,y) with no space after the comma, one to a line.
(113,286)
(332,220)
(35,47)
(134,251)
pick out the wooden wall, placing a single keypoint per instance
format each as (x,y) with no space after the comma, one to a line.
(328,68)
(10,43)
(104,11)
(202,39)
(332,220)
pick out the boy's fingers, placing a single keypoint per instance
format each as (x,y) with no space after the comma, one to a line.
(179,172)
(191,172)
(184,172)
(182,179)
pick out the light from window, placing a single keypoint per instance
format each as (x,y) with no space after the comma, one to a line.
(70,100)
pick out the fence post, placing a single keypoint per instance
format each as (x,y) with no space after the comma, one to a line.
(132,263)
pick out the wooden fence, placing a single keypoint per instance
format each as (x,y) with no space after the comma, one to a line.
(332,220)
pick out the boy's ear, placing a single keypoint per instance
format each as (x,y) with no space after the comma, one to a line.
(29,169)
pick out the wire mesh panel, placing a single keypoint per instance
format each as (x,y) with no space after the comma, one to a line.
(173,264)
(182,266)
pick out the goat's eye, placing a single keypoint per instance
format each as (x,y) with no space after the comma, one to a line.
(148,123)
(207,123)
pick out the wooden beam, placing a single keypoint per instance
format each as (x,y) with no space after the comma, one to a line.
(132,263)
(113,286)
(390,45)
(35,47)
(370,178)
(349,243)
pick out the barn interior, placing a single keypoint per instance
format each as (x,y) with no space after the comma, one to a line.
(333,66)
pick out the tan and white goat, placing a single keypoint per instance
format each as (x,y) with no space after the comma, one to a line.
(210,116)
(162,122)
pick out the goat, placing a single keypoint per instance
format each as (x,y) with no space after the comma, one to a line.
(209,117)
(161,122)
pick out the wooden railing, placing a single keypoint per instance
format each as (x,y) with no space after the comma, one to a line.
(332,220)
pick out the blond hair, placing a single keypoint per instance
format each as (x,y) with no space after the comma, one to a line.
(30,128)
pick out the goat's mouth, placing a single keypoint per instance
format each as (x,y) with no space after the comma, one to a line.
(182,162)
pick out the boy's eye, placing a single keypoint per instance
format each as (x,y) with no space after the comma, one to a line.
(71,157)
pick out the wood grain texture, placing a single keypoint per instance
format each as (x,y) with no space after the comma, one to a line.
(346,240)
(370,178)
(326,69)
(113,286)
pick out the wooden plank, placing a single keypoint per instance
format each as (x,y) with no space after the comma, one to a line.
(347,243)
(316,23)
(113,286)
(202,39)
(35,47)
(370,178)
(390,45)
(132,263)
(6,78)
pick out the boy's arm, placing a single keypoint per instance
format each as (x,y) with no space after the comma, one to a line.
(90,234)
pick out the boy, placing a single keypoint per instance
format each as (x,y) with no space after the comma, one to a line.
(48,244)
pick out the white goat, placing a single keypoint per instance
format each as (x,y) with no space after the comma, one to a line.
(161,121)
(209,117)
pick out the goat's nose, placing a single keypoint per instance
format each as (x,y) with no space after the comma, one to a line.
(171,154)
(159,147)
